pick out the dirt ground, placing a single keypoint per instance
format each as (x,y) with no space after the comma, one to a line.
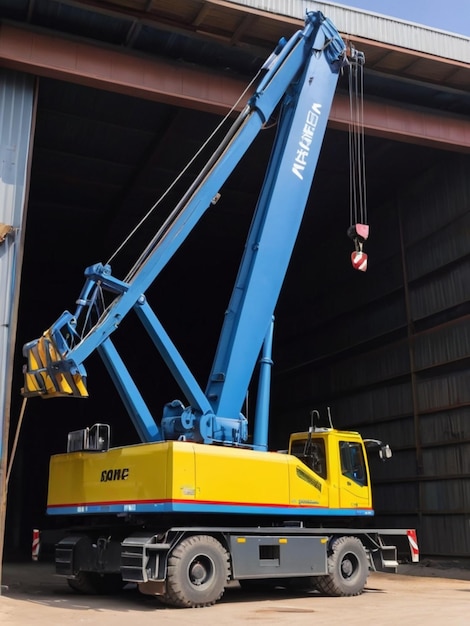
(423,594)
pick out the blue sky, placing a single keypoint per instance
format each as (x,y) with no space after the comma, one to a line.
(451,15)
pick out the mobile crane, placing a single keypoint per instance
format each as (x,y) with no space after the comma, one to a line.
(196,504)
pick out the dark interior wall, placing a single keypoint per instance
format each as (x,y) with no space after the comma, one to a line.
(342,338)
(99,163)
(388,351)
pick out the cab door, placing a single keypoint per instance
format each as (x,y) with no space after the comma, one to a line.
(354,490)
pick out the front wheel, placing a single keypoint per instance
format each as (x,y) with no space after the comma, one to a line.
(348,569)
(198,571)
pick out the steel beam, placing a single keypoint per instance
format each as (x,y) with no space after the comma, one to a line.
(198,88)
(120,71)
(435,129)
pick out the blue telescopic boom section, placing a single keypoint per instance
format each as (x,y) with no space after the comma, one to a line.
(303,74)
(273,231)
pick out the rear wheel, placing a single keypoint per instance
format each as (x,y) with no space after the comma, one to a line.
(198,571)
(348,569)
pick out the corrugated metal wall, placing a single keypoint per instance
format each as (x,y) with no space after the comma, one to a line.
(16,115)
(390,352)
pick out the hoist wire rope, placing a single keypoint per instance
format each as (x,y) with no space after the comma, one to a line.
(357,173)
(353,151)
(354,155)
(362,150)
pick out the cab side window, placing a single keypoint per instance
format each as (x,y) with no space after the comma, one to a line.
(312,453)
(352,462)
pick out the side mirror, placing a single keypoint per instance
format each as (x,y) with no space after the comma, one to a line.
(385,452)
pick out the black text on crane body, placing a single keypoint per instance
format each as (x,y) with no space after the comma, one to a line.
(114,474)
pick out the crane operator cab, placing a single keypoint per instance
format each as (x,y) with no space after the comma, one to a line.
(339,459)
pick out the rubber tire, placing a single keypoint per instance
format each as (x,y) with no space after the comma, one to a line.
(92,583)
(348,569)
(198,570)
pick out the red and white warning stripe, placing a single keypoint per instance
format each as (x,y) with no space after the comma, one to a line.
(35,545)
(359,261)
(413,541)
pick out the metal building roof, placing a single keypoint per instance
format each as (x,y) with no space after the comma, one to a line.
(374,26)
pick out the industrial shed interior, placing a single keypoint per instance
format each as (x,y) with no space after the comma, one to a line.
(388,350)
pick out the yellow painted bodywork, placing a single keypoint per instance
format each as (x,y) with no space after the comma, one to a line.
(183,476)
(344,492)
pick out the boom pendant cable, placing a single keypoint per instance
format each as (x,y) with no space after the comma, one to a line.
(160,233)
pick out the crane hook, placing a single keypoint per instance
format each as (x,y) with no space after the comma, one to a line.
(359,234)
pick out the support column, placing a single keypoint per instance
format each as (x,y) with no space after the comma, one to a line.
(16,130)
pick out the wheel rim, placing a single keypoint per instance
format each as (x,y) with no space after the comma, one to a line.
(201,570)
(349,566)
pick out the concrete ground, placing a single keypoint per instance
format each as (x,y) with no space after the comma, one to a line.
(423,595)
